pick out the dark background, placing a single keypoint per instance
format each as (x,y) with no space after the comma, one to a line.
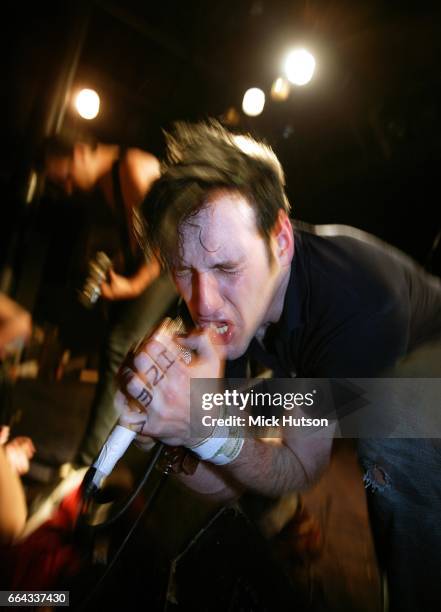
(360,144)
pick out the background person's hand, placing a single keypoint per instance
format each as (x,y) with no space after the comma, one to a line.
(118,287)
(5,430)
(19,451)
(15,323)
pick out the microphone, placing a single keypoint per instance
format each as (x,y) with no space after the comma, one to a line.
(121,437)
(114,448)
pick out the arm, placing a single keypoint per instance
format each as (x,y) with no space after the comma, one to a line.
(139,170)
(266,466)
(126,288)
(12,502)
(269,468)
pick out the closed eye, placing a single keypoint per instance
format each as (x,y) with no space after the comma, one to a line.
(227,269)
(181,271)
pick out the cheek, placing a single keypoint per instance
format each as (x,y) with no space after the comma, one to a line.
(183,287)
(233,289)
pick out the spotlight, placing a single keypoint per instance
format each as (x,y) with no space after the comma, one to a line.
(87,103)
(299,66)
(253,102)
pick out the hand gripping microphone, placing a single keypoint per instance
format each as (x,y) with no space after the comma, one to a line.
(121,437)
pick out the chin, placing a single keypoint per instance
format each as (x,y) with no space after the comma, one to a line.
(234,352)
(231,354)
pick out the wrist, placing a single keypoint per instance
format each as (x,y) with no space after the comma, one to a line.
(221,447)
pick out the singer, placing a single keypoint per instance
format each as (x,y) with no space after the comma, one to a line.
(325,301)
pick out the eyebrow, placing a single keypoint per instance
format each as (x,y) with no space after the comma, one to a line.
(229,263)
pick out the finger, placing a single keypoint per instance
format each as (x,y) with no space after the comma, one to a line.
(24,463)
(200,342)
(106,290)
(112,276)
(125,405)
(145,443)
(25,442)
(155,359)
(165,334)
(28,448)
(136,388)
(135,422)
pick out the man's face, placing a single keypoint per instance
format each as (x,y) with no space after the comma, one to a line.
(70,172)
(224,274)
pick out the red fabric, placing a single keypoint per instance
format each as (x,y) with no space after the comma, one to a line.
(48,554)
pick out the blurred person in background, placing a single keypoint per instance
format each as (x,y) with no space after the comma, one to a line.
(140,295)
(15,454)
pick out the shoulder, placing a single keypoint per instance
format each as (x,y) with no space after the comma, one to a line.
(354,262)
(140,166)
(138,171)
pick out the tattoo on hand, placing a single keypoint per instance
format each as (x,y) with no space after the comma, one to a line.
(167,361)
(153,375)
(138,427)
(144,397)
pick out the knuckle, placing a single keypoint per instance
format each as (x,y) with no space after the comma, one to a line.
(142,361)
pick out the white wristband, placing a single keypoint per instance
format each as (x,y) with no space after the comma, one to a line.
(211,445)
(220,448)
(228,452)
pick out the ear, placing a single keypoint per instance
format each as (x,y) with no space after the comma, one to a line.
(283,236)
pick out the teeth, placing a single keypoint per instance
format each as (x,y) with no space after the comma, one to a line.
(221,329)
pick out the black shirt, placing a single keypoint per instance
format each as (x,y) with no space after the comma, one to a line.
(353,307)
(125,223)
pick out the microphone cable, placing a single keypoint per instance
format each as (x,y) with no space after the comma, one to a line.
(156,455)
(90,492)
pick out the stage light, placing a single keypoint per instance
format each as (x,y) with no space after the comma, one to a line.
(280,89)
(299,66)
(253,102)
(87,103)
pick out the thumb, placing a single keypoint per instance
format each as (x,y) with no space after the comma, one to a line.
(106,291)
(112,275)
(106,286)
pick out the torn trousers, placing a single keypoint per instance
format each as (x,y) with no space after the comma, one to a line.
(403,484)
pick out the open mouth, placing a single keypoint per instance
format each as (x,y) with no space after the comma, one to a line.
(220,331)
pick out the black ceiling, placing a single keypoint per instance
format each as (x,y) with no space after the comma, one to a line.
(360,144)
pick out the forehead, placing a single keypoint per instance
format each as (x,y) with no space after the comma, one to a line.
(224,228)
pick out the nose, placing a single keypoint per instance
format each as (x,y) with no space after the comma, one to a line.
(208,295)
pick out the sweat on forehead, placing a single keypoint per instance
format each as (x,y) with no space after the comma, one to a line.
(223,219)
